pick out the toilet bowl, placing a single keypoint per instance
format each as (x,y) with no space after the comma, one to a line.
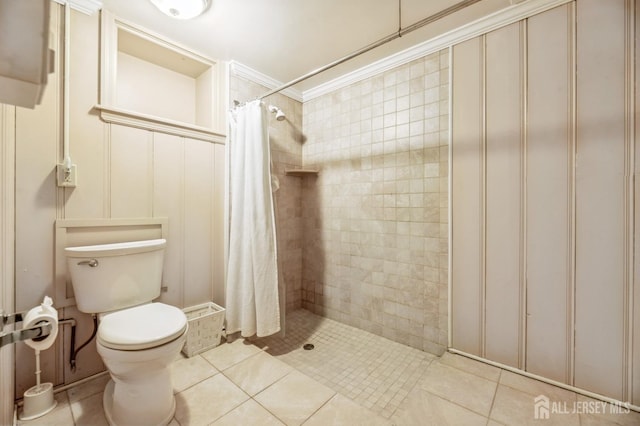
(137,345)
(137,338)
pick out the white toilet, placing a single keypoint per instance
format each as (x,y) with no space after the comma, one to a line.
(137,339)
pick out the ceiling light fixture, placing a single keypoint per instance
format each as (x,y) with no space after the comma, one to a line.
(181,9)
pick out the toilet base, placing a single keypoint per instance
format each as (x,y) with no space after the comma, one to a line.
(107,402)
(140,391)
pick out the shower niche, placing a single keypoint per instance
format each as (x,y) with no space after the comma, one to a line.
(149,82)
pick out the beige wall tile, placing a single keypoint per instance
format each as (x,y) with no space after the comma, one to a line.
(386,125)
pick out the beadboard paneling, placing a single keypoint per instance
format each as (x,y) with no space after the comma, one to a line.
(467,273)
(549,199)
(600,227)
(558,212)
(503,101)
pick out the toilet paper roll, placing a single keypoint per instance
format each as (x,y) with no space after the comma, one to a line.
(38,315)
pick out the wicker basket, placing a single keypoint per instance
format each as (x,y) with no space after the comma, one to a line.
(205,328)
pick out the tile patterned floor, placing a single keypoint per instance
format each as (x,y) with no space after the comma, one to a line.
(371,370)
(350,378)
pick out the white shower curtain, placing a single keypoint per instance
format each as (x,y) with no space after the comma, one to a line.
(252,274)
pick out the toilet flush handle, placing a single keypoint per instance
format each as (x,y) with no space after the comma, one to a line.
(93,262)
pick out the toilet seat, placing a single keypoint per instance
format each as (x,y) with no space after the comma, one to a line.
(142,327)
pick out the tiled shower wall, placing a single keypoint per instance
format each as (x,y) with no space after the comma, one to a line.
(375,219)
(286,152)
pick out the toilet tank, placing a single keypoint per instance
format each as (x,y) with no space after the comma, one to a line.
(109,277)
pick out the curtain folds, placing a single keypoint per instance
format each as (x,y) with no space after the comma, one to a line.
(252,306)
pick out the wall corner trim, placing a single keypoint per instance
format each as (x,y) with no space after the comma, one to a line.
(483,25)
(244,71)
(7,248)
(88,7)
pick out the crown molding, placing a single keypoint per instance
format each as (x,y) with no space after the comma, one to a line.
(481,26)
(88,7)
(244,71)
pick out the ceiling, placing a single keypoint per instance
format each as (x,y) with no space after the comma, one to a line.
(285,39)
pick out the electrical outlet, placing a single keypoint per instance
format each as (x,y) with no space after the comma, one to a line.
(67,179)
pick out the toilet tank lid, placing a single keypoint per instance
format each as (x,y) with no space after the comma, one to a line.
(116,249)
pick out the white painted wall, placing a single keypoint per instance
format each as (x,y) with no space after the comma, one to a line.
(543,204)
(7,193)
(123,172)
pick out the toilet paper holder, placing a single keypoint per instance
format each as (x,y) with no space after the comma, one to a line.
(35,332)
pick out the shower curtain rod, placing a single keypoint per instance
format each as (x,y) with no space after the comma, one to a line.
(401,31)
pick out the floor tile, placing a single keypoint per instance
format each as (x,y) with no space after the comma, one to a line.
(257,372)
(471,366)
(536,387)
(424,408)
(607,414)
(249,413)
(352,377)
(375,372)
(341,411)
(596,420)
(465,389)
(294,398)
(228,354)
(514,407)
(207,401)
(89,411)
(186,372)
(88,388)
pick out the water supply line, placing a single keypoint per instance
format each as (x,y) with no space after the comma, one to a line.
(401,31)
(73,352)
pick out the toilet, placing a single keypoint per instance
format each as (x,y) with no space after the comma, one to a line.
(137,338)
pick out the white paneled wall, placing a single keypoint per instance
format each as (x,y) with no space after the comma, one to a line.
(123,172)
(7,238)
(549,206)
(503,197)
(542,197)
(601,196)
(467,197)
(635,311)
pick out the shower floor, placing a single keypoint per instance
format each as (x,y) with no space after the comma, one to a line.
(373,371)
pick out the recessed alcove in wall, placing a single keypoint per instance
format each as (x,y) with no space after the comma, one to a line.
(152,83)
(83,232)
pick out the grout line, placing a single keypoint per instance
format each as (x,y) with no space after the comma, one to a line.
(456,403)
(493,400)
(319,408)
